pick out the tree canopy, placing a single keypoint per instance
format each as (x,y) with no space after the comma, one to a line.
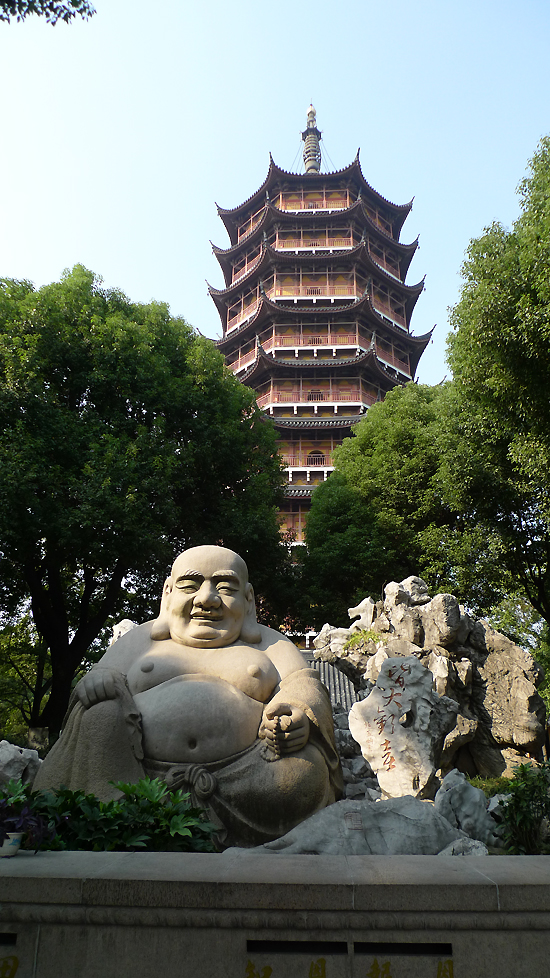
(52,10)
(499,353)
(123,440)
(390,512)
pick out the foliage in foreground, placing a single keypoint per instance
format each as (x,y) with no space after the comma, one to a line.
(499,354)
(148,817)
(526,808)
(123,440)
(389,511)
(52,10)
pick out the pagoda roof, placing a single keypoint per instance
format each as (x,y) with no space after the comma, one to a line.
(266,364)
(272,215)
(298,492)
(231,216)
(317,422)
(272,257)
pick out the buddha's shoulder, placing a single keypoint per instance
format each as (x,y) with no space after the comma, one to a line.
(127,648)
(282,652)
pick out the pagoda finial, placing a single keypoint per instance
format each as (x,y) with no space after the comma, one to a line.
(311,137)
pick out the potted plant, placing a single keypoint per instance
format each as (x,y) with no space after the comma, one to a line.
(18,818)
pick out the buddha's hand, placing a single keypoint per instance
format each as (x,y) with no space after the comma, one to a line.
(285,728)
(95,687)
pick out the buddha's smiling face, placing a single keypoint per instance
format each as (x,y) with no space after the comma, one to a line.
(209,598)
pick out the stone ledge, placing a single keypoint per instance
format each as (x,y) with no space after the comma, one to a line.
(85,915)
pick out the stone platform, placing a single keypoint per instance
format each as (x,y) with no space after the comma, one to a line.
(250,915)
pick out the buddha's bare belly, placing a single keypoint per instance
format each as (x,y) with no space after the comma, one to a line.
(197,718)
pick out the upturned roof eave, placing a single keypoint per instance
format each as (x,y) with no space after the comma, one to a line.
(265,365)
(277,258)
(275,172)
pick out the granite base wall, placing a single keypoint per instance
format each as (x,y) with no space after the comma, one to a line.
(250,915)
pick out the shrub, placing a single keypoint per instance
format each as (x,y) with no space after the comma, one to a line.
(148,817)
(527,805)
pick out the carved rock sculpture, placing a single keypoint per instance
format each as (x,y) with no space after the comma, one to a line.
(397,826)
(210,701)
(501,717)
(401,726)
(18,762)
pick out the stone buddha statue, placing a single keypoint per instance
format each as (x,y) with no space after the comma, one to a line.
(207,699)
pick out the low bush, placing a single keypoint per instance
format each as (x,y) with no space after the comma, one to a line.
(148,817)
(525,810)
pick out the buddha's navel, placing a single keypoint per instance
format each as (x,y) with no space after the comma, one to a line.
(147,666)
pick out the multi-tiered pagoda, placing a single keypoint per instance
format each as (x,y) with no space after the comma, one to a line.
(315,311)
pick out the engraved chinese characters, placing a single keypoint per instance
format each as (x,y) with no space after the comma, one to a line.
(401,727)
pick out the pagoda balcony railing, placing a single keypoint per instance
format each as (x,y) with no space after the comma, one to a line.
(245,269)
(335,339)
(307,461)
(316,397)
(307,244)
(250,224)
(242,361)
(297,339)
(311,291)
(243,314)
(325,204)
(389,267)
(386,310)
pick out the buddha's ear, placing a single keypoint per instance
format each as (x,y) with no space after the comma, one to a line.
(250,631)
(160,629)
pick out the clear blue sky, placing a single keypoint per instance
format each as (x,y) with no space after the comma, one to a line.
(120,134)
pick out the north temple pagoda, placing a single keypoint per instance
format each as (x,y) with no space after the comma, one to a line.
(315,311)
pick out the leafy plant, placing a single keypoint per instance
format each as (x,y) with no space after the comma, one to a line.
(361,638)
(149,817)
(18,813)
(491,786)
(528,804)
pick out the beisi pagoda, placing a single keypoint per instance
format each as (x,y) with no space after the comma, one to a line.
(315,311)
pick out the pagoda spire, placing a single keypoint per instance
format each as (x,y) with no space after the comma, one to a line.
(311,137)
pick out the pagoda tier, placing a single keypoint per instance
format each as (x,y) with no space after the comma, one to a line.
(315,311)
(327,191)
(316,231)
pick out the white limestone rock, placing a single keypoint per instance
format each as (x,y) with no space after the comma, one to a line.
(18,762)
(401,726)
(465,807)
(393,827)
(465,847)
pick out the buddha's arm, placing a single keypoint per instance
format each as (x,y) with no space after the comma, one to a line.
(99,683)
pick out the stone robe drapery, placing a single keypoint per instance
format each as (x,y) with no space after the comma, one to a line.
(253,797)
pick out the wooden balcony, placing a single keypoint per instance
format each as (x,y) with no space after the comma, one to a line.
(250,224)
(307,461)
(290,202)
(242,361)
(244,269)
(245,313)
(315,397)
(311,291)
(308,242)
(336,339)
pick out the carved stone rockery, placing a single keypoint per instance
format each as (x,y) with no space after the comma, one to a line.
(401,726)
(493,682)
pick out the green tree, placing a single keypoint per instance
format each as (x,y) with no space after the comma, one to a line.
(499,353)
(124,439)
(52,10)
(390,511)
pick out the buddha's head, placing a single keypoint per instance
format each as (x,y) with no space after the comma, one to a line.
(207,601)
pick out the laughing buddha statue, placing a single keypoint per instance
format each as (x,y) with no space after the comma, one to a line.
(209,700)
